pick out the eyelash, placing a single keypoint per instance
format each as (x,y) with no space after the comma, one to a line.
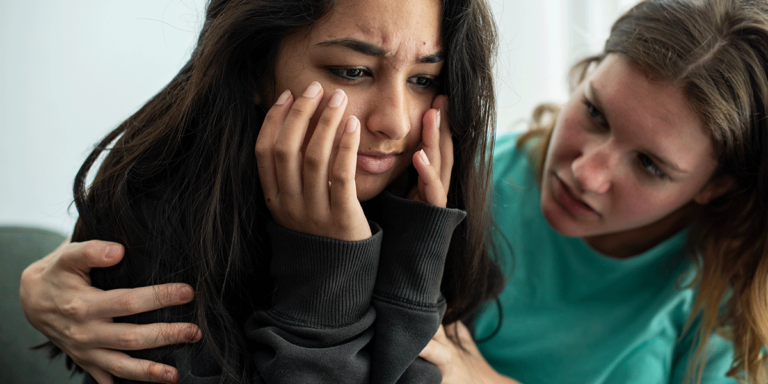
(650,166)
(646,162)
(595,114)
(344,74)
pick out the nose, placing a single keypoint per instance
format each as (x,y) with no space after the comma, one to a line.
(389,116)
(592,170)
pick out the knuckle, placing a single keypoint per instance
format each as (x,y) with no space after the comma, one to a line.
(343,178)
(155,370)
(328,119)
(76,309)
(129,304)
(117,368)
(91,249)
(313,160)
(129,340)
(283,152)
(262,149)
(299,109)
(78,336)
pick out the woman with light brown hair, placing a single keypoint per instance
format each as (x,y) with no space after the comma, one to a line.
(638,212)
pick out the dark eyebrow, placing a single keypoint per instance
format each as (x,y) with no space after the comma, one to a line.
(595,100)
(373,50)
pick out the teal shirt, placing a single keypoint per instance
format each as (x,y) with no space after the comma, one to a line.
(572,315)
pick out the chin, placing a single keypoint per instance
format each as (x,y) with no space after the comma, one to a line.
(560,221)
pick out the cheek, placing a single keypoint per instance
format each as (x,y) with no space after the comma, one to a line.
(567,141)
(641,205)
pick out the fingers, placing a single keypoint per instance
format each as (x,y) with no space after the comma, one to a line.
(431,189)
(265,144)
(121,365)
(430,137)
(134,337)
(343,191)
(124,302)
(435,161)
(446,142)
(435,353)
(288,163)
(438,350)
(81,257)
(318,153)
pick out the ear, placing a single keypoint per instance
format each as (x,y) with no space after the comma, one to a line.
(714,189)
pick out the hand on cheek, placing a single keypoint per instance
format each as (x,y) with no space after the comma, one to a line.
(434,162)
(295,185)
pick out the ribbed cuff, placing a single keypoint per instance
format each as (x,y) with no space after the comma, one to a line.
(322,282)
(416,241)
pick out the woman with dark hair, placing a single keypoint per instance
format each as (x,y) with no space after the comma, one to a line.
(294,280)
(639,213)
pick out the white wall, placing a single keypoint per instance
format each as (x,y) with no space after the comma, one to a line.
(70,71)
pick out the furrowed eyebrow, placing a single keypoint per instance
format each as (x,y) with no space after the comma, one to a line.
(373,50)
(595,100)
(666,163)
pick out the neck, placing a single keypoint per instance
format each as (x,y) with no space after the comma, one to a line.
(629,243)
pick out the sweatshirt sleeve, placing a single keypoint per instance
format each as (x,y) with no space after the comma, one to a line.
(321,319)
(406,295)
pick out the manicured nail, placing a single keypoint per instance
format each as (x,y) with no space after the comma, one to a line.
(438,119)
(284,97)
(313,89)
(351,125)
(336,99)
(424,156)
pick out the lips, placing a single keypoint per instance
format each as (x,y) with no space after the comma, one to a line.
(568,200)
(376,162)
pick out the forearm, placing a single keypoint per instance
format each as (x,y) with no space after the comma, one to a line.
(321,320)
(407,293)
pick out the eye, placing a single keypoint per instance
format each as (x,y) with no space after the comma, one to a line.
(423,82)
(650,166)
(351,74)
(595,114)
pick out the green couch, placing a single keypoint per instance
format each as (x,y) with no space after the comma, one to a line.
(19,247)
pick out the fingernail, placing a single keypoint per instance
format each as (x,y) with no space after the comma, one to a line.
(170,377)
(186,293)
(438,118)
(191,334)
(312,90)
(284,97)
(336,99)
(351,125)
(108,254)
(424,156)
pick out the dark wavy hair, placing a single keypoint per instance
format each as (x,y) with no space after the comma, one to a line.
(179,186)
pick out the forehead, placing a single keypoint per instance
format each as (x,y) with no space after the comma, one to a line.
(402,27)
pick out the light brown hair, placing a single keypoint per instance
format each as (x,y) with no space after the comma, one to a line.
(716,51)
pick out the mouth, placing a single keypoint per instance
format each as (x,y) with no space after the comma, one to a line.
(565,196)
(376,162)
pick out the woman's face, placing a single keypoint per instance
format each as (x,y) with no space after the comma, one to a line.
(627,156)
(386,56)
